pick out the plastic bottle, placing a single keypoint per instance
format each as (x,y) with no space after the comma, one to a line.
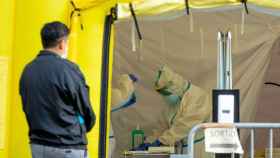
(137,137)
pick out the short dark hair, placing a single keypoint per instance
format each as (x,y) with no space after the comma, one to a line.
(52,32)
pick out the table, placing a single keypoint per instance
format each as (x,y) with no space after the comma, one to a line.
(144,154)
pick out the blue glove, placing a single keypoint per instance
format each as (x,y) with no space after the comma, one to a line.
(145,146)
(130,102)
(133,77)
(156,143)
(81,120)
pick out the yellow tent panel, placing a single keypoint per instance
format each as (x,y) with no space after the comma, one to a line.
(6,49)
(152,7)
(87,4)
(210,3)
(22,43)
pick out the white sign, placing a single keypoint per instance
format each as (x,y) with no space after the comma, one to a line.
(222,140)
(226,108)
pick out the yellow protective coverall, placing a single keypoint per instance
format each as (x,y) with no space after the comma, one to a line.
(193,107)
(120,94)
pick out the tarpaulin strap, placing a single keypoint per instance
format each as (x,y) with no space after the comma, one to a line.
(187,7)
(243,22)
(235,36)
(245,6)
(78,10)
(191,23)
(135,21)
(141,58)
(133,40)
(202,41)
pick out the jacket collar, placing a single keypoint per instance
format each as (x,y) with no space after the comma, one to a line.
(48,53)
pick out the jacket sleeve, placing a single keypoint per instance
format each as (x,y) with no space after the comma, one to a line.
(195,108)
(79,90)
(85,107)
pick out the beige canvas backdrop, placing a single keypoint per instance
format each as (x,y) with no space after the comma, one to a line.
(193,54)
(268,106)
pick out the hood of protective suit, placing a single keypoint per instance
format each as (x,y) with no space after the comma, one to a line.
(169,82)
(123,90)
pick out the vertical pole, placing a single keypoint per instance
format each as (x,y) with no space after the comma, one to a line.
(228,71)
(224,77)
(218,61)
(220,65)
(270,143)
(252,144)
(191,145)
(224,61)
(104,87)
(224,74)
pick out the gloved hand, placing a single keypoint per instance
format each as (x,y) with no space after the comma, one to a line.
(145,146)
(133,77)
(81,119)
(156,143)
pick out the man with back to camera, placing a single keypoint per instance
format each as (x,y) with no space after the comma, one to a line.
(55,99)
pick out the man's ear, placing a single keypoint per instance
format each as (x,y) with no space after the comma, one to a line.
(61,45)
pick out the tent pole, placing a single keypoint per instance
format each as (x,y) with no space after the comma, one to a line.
(102,150)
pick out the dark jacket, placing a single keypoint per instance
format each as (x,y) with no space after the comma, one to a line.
(54,93)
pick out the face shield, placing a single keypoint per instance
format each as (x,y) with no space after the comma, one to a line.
(171,86)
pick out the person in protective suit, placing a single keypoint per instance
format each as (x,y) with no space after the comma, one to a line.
(188,105)
(123,96)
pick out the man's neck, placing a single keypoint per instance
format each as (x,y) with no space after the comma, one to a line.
(53,51)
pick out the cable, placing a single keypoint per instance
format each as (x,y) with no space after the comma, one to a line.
(245,6)
(135,21)
(272,83)
(187,7)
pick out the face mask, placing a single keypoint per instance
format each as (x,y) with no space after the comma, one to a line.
(172,99)
(65,54)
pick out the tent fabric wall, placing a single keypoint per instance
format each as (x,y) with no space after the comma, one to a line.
(20,29)
(29,20)
(268,105)
(87,4)
(193,55)
(6,31)
(86,50)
